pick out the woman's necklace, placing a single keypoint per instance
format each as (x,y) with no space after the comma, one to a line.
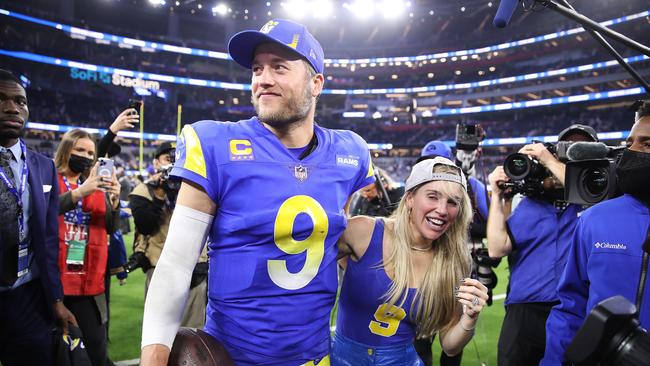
(417,249)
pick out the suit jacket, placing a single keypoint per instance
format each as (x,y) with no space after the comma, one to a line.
(44,224)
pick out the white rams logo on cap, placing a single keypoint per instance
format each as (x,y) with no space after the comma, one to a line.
(269,26)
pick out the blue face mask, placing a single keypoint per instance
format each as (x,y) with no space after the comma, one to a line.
(633,174)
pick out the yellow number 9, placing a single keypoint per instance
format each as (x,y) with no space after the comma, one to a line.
(387,321)
(314,245)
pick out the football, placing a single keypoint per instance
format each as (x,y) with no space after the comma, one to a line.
(194,347)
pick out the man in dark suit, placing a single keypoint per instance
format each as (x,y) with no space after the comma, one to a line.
(30,286)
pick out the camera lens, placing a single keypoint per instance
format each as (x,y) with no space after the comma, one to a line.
(517,166)
(595,181)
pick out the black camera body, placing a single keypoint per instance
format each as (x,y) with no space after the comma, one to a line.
(468,137)
(483,272)
(137,260)
(591,173)
(611,335)
(590,181)
(165,182)
(526,175)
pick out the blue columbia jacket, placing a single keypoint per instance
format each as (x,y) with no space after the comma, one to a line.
(604,261)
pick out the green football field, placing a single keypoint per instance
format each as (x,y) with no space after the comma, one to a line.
(127,304)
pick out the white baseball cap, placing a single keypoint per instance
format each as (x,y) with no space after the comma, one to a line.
(422,172)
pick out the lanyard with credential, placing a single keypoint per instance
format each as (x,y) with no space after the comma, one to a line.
(18,194)
(79,210)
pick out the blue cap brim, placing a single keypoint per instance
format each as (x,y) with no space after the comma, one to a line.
(242,46)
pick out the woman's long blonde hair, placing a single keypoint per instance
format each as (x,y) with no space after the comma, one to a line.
(64,149)
(435,305)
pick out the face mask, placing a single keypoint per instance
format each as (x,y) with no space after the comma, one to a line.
(633,174)
(79,164)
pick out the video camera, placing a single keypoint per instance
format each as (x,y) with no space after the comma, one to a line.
(590,175)
(468,137)
(526,173)
(591,172)
(611,335)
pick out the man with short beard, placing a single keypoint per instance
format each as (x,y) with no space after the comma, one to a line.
(270,193)
(30,287)
(606,256)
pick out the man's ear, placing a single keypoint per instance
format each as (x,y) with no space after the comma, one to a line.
(317,85)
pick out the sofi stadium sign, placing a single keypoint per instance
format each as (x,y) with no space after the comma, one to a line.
(115,79)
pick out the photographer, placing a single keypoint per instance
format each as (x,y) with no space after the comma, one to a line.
(379,199)
(152,204)
(535,238)
(606,255)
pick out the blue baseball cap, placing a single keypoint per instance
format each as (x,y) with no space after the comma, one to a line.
(295,37)
(436,148)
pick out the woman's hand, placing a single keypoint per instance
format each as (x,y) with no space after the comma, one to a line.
(473,295)
(127,119)
(93,183)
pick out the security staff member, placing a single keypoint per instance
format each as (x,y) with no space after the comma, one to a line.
(152,207)
(31,295)
(535,238)
(605,256)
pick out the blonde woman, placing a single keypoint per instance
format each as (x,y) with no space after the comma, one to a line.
(407,274)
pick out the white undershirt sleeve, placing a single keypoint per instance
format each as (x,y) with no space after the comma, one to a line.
(170,284)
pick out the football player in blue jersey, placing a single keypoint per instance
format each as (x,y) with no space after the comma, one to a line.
(402,279)
(269,193)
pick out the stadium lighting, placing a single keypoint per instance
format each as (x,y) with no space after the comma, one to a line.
(295,8)
(322,8)
(157,2)
(376,115)
(221,9)
(362,9)
(392,8)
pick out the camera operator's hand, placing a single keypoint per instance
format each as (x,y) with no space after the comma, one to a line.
(158,191)
(127,119)
(541,153)
(495,178)
(93,183)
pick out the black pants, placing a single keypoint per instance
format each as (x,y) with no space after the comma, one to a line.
(85,310)
(523,334)
(25,326)
(423,348)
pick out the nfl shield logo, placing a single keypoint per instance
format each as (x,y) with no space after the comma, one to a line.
(300,172)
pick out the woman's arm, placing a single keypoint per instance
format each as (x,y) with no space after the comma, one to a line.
(356,237)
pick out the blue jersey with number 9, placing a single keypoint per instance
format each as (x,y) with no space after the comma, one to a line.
(272,246)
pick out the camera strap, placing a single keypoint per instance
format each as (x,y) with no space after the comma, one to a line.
(644,271)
